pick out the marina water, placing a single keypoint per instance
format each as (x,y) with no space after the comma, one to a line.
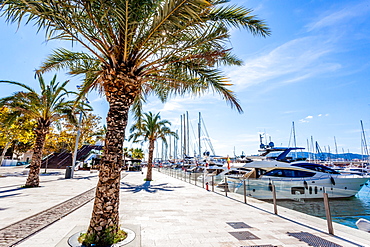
(344,211)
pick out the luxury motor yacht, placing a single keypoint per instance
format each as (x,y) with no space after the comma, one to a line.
(292,178)
(297,183)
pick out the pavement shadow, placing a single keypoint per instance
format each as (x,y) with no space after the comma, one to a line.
(16,194)
(148,187)
(14,174)
(11,190)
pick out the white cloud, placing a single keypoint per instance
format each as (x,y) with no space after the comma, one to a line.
(293,61)
(344,15)
(306,119)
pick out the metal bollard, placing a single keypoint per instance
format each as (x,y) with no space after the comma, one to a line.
(226,187)
(245,192)
(274,198)
(328,214)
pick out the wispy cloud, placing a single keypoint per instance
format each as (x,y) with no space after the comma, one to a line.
(291,62)
(305,57)
(342,16)
(308,118)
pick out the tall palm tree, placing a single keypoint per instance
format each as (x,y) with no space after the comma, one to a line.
(45,108)
(134,48)
(151,128)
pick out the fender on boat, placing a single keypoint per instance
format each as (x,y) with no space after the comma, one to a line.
(363,224)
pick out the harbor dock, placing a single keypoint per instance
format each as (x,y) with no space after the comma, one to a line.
(165,212)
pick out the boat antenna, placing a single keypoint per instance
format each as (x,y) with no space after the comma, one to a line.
(262,146)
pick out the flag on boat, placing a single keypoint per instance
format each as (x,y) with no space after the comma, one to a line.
(228,162)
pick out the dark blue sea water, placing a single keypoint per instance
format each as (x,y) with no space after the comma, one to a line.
(344,211)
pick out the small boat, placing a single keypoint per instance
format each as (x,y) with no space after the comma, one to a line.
(363,224)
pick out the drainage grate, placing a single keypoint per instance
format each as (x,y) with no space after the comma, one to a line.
(266,245)
(244,235)
(238,225)
(312,240)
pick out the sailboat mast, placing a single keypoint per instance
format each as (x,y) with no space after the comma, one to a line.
(181,138)
(184,147)
(187,133)
(308,150)
(175,147)
(313,149)
(294,140)
(199,133)
(364,140)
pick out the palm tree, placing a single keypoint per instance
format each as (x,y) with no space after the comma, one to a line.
(137,153)
(151,128)
(44,108)
(134,48)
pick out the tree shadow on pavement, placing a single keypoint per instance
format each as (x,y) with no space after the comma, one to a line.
(147,187)
(11,190)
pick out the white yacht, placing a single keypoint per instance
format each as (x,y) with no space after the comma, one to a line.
(293,178)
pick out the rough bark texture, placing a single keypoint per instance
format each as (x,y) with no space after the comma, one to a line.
(104,222)
(40,133)
(150,161)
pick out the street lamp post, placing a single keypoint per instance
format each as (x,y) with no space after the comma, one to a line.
(74,159)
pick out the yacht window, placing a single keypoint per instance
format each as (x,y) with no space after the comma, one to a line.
(289,173)
(315,167)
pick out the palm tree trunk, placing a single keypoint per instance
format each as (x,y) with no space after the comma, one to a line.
(150,161)
(104,222)
(33,179)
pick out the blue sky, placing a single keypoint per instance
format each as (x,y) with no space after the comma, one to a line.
(313,70)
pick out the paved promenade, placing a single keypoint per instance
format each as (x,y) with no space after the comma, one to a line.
(166,212)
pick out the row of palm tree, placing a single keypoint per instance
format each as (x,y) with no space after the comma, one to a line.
(132,49)
(45,108)
(50,105)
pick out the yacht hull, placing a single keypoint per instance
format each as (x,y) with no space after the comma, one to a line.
(335,186)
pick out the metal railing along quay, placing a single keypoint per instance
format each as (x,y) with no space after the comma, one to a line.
(237,190)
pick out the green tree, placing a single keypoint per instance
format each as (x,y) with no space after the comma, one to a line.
(134,48)
(62,136)
(45,108)
(16,130)
(151,128)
